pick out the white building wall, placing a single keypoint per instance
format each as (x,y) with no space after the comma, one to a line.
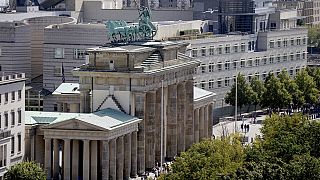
(213,78)
(13,85)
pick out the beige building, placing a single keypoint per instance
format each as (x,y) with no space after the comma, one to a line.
(123,94)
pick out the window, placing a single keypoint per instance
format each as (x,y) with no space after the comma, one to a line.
(298,56)
(203,68)
(303,56)
(249,77)
(242,64)
(227,50)
(285,58)
(6,97)
(58,53)
(13,96)
(250,63)
(285,42)
(249,46)
(271,44)
(203,52)
(19,142)
(0,52)
(264,75)
(257,62)
(227,82)
(211,83)
(271,60)
(304,40)
(211,51)
(219,66)
(0,98)
(291,57)
(298,41)
(194,53)
(57,70)
(219,83)
(292,42)
(243,47)
(6,120)
(203,84)
(227,65)
(211,67)
(19,116)
(265,60)
(278,58)
(279,43)
(19,95)
(79,53)
(291,72)
(235,64)
(13,118)
(12,145)
(235,48)
(220,50)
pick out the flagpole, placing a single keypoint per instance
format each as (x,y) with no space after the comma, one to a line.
(236,103)
(161,128)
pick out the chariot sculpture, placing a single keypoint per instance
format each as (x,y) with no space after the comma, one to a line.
(120,31)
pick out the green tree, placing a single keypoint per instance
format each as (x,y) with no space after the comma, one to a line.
(276,96)
(26,171)
(209,159)
(307,86)
(292,88)
(244,92)
(257,92)
(313,36)
(315,73)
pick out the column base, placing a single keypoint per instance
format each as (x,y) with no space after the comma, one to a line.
(133,176)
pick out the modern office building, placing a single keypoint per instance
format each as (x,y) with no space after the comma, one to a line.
(12,124)
(283,46)
(124,93)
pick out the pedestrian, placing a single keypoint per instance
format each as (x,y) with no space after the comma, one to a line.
(242,127)
(248,128)
(245,127)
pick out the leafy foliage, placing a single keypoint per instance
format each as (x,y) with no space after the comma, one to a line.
(307,86)
(257,91)
(276,95)
(244,92)
(209,159)
(26,171)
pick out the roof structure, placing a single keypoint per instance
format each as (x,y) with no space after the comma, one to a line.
(199,94)
(67,88)
(106,119)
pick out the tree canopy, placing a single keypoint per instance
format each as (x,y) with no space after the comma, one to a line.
(288,149)
(209,159)
(25,171)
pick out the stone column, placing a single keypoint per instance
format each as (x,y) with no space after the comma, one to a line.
(56,158)
(86,159)
(60,107)
(210,124)
(158,126)
(206,121)
(127,156)
(134,171)
(75,159)
(112,159)
(189,114)
(150,116)
(201,124)
(172,122)
(84,101)
(181,115)
(48,160)
(94,160)
(120,157)
(33,136)
(139,112)
(74,108)
(105,160)
(65,107)
(196,125)
(66,160)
